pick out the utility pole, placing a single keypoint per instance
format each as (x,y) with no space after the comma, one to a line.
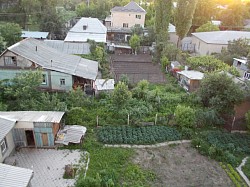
(88,3)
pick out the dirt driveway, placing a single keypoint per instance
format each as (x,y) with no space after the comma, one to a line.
(181,166)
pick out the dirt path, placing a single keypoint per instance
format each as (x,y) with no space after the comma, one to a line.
(181,166)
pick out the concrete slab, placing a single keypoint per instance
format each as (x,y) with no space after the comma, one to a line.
(48,165)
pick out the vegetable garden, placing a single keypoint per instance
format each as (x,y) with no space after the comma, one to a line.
(137,135)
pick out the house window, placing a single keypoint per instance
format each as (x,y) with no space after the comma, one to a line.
(138,16)
(3,146)
(44,79)
(137,25)
(62,82)
(10,61)
(125,25)
(246,76)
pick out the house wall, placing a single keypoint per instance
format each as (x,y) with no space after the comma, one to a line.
(173,38)
(240,65)
(21,62)
(43,128)
(20,137)
(194,85)
(118,18)
(202,48)
(55,81)
(10,147)
(52,78)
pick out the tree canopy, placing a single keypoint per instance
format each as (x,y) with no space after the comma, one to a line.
(10,32)
(207,27)
(219,92)
(183,17)
(134,42)
(210,64)
(204,10)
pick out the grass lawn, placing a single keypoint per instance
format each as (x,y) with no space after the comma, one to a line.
(111,166)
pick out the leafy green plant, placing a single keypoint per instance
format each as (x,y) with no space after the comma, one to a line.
(137,135)
(75,116)
(185,116)
(234,176)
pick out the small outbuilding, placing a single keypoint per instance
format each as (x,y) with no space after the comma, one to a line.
(34,128)
(190,79)
(7,145)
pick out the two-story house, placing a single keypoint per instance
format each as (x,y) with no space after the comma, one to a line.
(122,19)
(61,72)
(127,16)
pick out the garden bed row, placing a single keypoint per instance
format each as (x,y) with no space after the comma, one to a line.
(137,135)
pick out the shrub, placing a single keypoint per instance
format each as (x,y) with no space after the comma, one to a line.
(75,116)
(185,116)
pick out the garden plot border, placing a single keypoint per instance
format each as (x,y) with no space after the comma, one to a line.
(148,146)
(241,172)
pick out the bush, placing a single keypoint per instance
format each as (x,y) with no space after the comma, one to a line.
(185,116)
(75,116)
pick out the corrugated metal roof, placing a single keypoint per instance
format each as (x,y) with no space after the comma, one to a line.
(70,134)
(95,30)
(130,7)
(34,116)
(6,125)
(244,61)
(68,47)
(49,58)
(34,34)
(102,84)
(221,37)
(12,176)
(194,75)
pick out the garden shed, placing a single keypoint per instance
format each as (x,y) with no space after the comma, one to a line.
(35,128)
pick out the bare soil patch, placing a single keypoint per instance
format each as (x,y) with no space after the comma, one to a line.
(181,166)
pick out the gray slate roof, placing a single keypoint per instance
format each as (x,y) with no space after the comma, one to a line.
(130,7)
(49,58)
(12,176)
(95,31)
(5,127)
(34,34)
(34,116)
(68,47)
(221,37)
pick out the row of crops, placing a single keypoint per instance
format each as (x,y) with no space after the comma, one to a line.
(233,142)
(137,135)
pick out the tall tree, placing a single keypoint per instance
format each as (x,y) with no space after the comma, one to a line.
(183,17)
(234,15)
(204,11)
(134,43)
(162,18)
(219,92)
(11,33)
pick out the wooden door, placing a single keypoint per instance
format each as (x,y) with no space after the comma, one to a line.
(45,139)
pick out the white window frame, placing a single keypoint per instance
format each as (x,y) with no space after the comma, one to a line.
(44,81)
(138,16)
(125,25)
(3,142)
(62,82)
(10,61)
